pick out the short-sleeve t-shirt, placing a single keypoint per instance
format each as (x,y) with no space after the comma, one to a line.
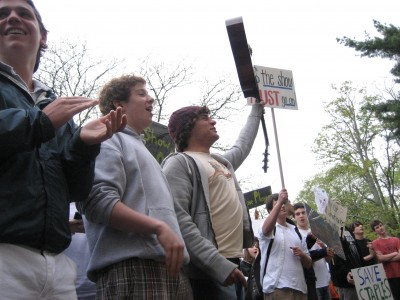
(386,246)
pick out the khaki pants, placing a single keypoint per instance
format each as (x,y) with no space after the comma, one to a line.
(26,274)
(285,294)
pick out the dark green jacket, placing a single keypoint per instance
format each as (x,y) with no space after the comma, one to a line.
(41,169)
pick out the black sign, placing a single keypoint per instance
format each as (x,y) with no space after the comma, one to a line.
(257,197)
(324,231)
(241,54)
(158,141)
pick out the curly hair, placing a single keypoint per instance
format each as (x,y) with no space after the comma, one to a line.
(43,31)
(182,138)
(117,89)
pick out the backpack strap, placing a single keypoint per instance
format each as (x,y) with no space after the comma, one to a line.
(258,259)
(268,253)
(298,233)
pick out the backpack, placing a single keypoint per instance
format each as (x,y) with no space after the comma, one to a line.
(257,267)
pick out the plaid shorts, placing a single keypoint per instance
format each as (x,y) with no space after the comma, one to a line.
(141,279)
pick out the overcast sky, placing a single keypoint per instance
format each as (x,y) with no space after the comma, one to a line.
(295,35)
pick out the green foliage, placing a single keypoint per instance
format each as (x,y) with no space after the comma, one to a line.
(389,113)
(361,161)
(343,187)
(387,46)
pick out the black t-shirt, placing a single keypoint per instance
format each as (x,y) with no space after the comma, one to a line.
(362,246)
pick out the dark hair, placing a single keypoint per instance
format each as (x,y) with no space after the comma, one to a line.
(117,89)
(271,198)
(43,31)
(375,223)
(246,256)
(298,205)
(183,137)
(354,225)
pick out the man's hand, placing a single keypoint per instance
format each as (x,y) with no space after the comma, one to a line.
(283,196)
(350,278)
(235,277)
(297,251)
(320,243)
(76,226)
(173,247)
(304,258)
(330,252)
(103,128)
(61,110)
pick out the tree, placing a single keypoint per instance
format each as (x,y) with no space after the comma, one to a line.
(363,160)
(345,187)
(221,97)
(387,46)
(162,79)
(68,68)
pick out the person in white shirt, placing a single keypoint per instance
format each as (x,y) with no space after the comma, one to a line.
(79,252)
(317,252)
(284,277)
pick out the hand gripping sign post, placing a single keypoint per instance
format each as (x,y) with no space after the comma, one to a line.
(272,87)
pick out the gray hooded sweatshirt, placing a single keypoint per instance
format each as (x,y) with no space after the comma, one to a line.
(189,185)
(126,170)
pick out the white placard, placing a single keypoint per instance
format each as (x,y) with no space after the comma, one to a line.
(276,87)
(336,215)
(371,283)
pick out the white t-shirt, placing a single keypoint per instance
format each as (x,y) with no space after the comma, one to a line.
(320,267)
(78,251)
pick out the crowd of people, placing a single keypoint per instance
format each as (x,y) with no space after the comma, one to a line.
(143,230)
(283,279)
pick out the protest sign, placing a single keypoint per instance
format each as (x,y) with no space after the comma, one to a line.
(321,199)
(158,141)
(276,87)
(257,197)
(336,215)
(371,283)
(324,231)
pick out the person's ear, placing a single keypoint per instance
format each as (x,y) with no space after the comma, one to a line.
(43,39)
(117,104)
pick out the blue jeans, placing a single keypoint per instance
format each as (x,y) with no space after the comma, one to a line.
(206,289)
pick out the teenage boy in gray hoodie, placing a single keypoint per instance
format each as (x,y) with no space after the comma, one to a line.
(133,234)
